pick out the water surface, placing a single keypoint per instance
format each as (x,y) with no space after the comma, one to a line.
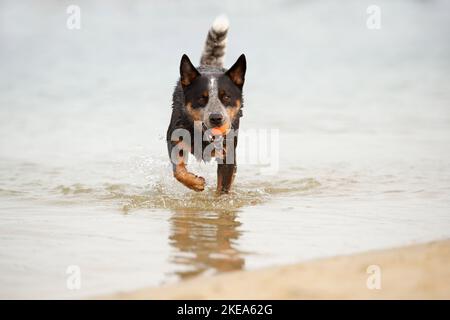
(364,131)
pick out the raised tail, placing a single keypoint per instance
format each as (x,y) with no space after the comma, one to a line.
(215,44)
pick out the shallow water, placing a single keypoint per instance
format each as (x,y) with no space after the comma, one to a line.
(363,118)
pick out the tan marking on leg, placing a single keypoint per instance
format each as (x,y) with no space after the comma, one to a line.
(187,178)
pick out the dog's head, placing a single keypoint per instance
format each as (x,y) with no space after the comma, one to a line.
(214,98)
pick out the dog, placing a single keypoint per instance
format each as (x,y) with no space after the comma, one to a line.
(207,103)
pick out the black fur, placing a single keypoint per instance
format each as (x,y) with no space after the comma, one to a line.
(200,92)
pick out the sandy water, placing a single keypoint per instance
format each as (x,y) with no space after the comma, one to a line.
(364,131)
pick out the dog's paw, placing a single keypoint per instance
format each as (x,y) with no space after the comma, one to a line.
(198,184)
(190,180)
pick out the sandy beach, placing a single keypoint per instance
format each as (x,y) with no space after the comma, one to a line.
(414,272)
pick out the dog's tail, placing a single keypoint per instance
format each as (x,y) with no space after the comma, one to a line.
(215,44)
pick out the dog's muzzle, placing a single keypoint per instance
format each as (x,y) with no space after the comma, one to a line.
(216,119)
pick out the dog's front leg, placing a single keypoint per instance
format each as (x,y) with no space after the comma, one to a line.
(187,178)
(225,177)
(180,172)
(226,168)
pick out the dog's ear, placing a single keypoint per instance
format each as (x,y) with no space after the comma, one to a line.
(237,72)
(187,71)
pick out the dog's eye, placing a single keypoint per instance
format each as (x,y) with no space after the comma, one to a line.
(226,99)
(201,100)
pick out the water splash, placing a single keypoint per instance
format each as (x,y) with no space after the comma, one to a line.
(147,184)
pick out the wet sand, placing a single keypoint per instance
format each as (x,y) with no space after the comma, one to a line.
(414,272)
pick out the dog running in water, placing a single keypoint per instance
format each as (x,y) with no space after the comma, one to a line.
(206,108)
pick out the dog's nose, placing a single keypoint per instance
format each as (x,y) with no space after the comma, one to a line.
(216,119)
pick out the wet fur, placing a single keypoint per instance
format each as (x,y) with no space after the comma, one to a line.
(200,92)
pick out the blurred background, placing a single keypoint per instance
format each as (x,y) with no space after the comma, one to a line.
(363,116)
